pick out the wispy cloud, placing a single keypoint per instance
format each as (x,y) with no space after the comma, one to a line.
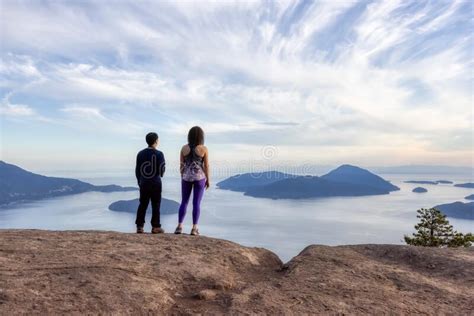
(16,110)
(84,112)
(369,78)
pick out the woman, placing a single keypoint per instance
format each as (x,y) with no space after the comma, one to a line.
(194,167)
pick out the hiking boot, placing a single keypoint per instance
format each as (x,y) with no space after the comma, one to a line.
(157,230)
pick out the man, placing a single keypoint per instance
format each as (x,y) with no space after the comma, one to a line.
(149,170)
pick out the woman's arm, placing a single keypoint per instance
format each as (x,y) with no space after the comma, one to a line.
(206,168)
(181,162)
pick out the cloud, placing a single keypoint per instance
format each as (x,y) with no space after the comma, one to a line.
(16,110)
(301,74)
(91,118)
(84,112)
(281,123)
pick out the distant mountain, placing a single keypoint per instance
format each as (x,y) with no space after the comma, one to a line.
(421,182)
(469,185)
(17,185)
(458,210)
(346,180)
(422,169)
(130,206)
(309,187)
(470,197)
(419,190)
(241,182)
(359,176)
(445,182)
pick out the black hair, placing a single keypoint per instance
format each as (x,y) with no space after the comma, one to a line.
(151,138)
(195,136)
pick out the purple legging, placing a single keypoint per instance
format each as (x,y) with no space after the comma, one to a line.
(186,187)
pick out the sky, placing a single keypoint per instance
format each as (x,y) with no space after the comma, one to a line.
(370,83)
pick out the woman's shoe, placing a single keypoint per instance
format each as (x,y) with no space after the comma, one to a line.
(178,230)
(194,232)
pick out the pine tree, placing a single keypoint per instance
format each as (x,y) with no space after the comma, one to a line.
(460,240)
(434,230)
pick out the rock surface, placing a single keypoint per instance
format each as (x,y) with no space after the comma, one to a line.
(49,272)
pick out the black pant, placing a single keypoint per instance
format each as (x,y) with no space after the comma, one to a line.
(147,193)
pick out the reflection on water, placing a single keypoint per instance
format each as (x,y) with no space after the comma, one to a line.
(283,226)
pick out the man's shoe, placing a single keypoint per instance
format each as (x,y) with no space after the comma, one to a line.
(140,230)
(157,230)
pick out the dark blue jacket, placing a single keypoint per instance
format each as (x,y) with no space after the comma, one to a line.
(150,167)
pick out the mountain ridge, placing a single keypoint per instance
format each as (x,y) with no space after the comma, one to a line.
(18,185)
(457,210)
(352,174)
(346,180)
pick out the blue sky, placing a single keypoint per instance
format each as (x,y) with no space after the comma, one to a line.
(372,83)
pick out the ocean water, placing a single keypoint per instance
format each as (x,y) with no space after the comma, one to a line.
(283,226)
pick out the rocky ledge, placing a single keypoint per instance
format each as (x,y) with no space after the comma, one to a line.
(91,272)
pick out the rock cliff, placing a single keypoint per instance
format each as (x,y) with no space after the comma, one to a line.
(91,272)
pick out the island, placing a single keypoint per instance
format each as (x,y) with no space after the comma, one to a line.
(130,206)
(19,185)
(429,182)
(458,210)
(419,190)
(470,197)
(468,185)
(346,180)
(241,182)
(422,182)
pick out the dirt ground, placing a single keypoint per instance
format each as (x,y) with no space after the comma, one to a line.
(92,272)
